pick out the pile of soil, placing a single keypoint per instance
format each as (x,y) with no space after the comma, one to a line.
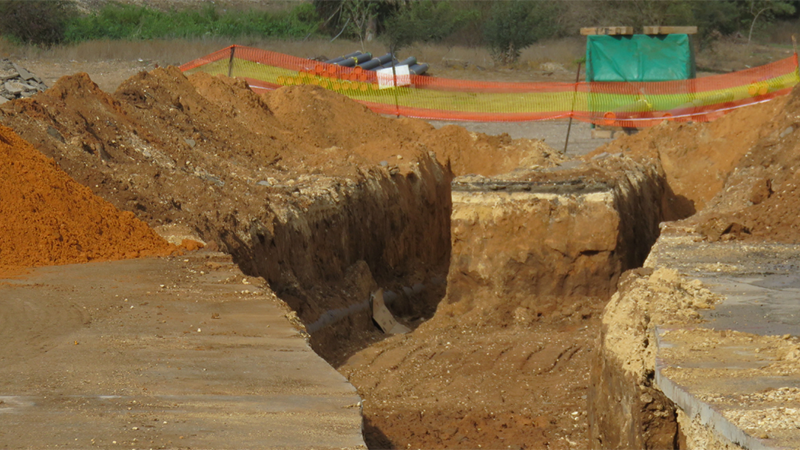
(162,144)
(697,158)
(47,218)
(737,177)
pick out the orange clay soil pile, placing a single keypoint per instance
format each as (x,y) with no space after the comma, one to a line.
(46,218)
(737,177)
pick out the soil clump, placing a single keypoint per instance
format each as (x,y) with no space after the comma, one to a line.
(47,218)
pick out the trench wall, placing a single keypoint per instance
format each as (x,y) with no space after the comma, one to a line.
(526,240)
(332,247)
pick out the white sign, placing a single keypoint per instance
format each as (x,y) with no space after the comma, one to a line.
(386,77)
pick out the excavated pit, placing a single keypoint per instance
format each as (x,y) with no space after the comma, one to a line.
(502,278)
(505,360)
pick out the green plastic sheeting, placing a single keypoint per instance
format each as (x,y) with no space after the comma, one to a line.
(639,57)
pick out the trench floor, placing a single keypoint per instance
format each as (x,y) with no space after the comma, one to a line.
(479,382)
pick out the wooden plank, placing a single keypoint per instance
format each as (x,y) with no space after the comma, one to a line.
(656,29)
(607,31)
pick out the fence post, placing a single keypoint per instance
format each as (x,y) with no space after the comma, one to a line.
(572,110)
(230,62)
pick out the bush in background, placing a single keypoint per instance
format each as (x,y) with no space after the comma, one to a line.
(36,21)
(423,21)
(120,21)
(516,24)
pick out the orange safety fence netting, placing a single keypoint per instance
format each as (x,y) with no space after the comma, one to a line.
(638,104)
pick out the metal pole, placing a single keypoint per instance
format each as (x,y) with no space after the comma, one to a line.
(394,76)
(572,110)
(230,62)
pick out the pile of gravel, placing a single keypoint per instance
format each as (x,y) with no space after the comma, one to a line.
(16,82)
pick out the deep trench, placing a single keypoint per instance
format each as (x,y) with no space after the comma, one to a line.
(422,236)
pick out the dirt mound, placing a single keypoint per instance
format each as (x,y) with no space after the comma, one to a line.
(761,196)
(698,158)
(737,177)
(49,219)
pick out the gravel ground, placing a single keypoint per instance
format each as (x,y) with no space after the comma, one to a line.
(553,132)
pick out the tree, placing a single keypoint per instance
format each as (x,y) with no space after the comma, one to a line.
(516,24)
(36,21)
(422,21)
(767,9)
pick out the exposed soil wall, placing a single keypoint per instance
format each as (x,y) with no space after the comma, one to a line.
(504,360)
(626,409)
(737,178)
(547,236)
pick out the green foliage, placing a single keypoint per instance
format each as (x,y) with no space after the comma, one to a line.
(766,10)
(120,21)
(516,24)
(423,21)
(36,22)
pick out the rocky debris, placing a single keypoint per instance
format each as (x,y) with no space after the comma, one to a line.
(16,82)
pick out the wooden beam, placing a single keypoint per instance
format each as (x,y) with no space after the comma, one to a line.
(607,31)
(656,29)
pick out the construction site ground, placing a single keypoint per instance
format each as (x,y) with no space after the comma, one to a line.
(178,352)
(191,154)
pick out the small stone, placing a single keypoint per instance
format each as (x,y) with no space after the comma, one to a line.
(13,87)
(264,183)
(786,132)
(3,100)
(190,142)
(384,163)
(24,74)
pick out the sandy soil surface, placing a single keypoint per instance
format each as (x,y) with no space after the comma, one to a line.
(177,352)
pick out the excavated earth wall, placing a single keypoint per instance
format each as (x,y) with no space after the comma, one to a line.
(566,232)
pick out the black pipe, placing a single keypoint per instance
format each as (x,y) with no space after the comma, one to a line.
(418,69)
(410,61)
(358,59)
(385,58)
(389,64)
(371,64)
(341,58)
(376,62)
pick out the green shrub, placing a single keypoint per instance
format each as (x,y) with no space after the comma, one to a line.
(516,24)
(423,21)
(119,21)
(36,22)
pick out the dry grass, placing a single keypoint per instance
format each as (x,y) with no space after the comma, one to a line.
(730,54)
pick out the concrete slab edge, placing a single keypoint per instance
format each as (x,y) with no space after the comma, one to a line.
(694,407)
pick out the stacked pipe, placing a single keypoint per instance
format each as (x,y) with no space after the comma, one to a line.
(367,62)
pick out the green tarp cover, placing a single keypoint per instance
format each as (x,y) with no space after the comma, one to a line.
(639,57)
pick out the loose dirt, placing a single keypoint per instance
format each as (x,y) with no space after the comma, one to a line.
(740,173)
(49,219)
